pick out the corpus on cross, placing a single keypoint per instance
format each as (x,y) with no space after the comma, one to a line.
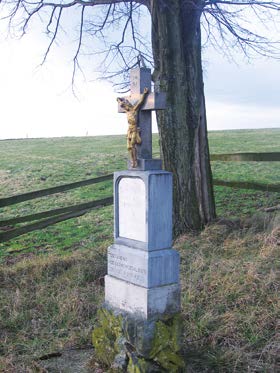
(133,132)
(138,107)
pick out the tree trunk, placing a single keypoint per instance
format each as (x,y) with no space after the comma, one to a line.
(176,42)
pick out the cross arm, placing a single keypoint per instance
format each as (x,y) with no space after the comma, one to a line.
(154,101)
(142,99)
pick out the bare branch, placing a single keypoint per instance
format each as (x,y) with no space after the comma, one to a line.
(75,60)
(225,23)
(54,34)
(274,5)
(230,24)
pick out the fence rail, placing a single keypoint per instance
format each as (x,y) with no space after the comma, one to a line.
(50,217)
(246,157)
(55,212)
(72,212)
(46,192)
(248,185)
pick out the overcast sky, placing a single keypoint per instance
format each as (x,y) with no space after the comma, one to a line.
(38,101)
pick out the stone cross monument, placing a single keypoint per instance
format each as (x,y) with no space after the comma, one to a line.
(138,327)
(140,79)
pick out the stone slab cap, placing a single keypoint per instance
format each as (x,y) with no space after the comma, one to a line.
(145,268)
(143,209)
(140,301)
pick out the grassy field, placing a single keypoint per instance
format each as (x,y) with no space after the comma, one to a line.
(51,280)
(31,164)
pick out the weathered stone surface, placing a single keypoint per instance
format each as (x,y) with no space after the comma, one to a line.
(157,232)
(145,268)
(143,345)
(142,301)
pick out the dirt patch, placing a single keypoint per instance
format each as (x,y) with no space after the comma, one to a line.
(71,361)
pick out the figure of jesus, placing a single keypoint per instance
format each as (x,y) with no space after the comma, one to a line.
(133,132)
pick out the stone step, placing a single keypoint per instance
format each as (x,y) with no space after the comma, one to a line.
(140,301)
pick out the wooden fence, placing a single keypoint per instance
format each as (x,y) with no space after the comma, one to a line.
(50,217)
(53,216)
(247,157)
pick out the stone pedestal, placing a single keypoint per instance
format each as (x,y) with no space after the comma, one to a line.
(142,290)
(143,270)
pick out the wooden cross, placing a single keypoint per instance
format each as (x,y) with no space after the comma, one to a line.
(140,78)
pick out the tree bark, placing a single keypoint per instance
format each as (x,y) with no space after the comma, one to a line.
(176,40)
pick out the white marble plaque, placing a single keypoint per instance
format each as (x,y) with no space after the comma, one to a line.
(132,209)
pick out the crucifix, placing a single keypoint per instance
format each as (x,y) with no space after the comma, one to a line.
(138,107)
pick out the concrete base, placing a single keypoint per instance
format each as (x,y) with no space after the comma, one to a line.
(137,300)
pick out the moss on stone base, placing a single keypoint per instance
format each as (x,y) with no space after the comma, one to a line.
(166,344)
(105,337)
(126,343)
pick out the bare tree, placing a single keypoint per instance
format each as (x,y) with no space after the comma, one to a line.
(177,29)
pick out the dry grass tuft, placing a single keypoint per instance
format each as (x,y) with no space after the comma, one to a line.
(47,304)
(230,297)
(230,276)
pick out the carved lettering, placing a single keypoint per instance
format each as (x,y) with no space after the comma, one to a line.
(120,267)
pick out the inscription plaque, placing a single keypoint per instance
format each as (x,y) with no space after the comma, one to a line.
(119,266)
(132,209)
(148,269)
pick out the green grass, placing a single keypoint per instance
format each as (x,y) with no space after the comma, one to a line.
(233,202)
(238,141)
(32,164)
(51,280)
(40,163)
